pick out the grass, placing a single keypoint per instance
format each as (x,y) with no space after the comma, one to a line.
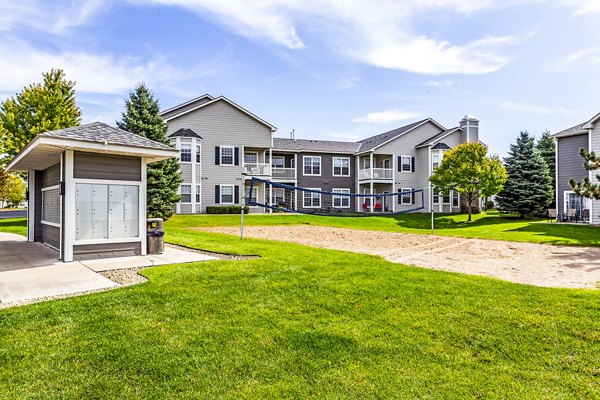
(484,226)
(14,225)
(300,322)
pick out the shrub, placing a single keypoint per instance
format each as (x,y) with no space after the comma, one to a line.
(489,205)
(226,210)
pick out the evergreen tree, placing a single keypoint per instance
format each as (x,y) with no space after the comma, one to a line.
(528,190)
(38,108)
(142,116)
(547,149)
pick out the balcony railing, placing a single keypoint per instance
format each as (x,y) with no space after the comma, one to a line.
(284,173)
(256,169)
(378,174)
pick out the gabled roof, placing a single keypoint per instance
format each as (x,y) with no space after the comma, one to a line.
(591,122)
(574,130)
(100,132)
(45,149)
(183,132)
(441,146)
(378,140)
(437,137)
(182,109)
(186,106)
(319,146)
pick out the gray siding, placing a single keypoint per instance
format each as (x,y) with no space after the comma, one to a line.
(51,176)
(186,107)
(51,235)
(221,124)
(37,237)
(326,182)
(595,211)
(570,164)
(94,251)
(107,167)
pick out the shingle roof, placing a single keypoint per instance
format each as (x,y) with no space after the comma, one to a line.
(183,132)
(102,133)
(441,146)
(573,129)
(315,145)
(437,136)
(374,141)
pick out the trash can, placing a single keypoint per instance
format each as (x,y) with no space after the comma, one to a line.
(155,236)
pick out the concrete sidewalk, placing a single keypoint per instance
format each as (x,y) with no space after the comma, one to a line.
(31,270)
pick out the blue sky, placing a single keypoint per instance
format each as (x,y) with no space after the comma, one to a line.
(338,69)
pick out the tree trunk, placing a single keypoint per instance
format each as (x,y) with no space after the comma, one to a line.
(470,205)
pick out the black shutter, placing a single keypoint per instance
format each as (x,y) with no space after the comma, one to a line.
(399,196)
(413,197)
(217,194)
(237,194)
(399,164)
(412,164)
(236,154)
(217,155)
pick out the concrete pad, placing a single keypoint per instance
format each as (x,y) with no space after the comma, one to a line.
(54,280)
(17,253)
(170,256)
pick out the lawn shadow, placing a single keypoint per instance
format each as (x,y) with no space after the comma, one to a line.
(582,235)
(448,221)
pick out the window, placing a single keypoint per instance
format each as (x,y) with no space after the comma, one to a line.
(436,196)
(386,164)
(312,198)
(406,164)
(341,166)
(278,197)
(367,162)
(104,211)
(436,156)
(250,157)
(186,193)
(574,201)
(226,155)
(278,162)
(51,206)
(446,198)
(186,152)
(198,154)
(406,196)
(227,194)
(341,201)
(312,165)
(197,193)
(455,199)
(250,197)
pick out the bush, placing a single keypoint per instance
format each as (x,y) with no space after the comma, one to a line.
(226,210)
(489,205)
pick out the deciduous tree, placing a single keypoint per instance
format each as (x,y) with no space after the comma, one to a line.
(38,108)
(469,170)
(142,116)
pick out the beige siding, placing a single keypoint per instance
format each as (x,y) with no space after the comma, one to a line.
(220,124)
(405,146)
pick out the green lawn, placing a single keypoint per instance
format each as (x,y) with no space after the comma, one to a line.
(14,225)
(300,322)
(484,226)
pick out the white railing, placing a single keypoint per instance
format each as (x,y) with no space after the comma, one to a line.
(284,173)
(378,173)
(256,169)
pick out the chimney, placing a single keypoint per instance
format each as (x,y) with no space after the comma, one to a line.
(470,129)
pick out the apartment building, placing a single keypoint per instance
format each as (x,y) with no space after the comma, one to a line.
(221,144)
(569,165)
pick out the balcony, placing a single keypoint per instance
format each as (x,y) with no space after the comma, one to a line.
(381,174)
(256,169)
(284,173)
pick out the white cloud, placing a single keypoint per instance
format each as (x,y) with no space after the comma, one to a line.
(94,73)
(579,57)
(582,6)
(387,116)
(440,84)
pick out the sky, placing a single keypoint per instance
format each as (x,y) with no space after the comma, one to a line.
(336,70)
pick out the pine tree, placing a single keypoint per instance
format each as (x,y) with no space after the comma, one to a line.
(528,190)
(38,108)
(142,116)
(588,187)
(547,149)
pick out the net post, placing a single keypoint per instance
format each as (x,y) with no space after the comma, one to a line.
(432,210)
(243,198)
